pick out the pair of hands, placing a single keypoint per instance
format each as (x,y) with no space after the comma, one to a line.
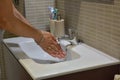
(50,45)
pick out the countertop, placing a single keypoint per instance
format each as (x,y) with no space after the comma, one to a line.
(90,58)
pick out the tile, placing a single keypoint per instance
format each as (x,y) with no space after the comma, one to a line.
(97,24)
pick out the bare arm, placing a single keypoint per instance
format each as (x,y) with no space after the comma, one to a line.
(15,23)
(12,21)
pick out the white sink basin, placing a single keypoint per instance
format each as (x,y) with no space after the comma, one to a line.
(40,65)
(35,52)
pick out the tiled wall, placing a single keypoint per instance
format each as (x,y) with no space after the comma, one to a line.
(37,12)
(97,24)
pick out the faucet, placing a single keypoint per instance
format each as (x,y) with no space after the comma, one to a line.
(73,41)
(72,35)
(70,38)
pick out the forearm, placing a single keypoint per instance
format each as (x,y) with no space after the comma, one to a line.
(24,22)
(12,21)
(19,27)
(18,15)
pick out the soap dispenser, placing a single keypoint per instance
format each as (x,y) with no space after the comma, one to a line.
(57,28)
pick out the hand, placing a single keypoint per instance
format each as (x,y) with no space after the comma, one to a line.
(50,45)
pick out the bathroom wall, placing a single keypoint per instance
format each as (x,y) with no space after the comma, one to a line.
(97,24)
(36,12)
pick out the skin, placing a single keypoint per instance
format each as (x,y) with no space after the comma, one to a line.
(11,20)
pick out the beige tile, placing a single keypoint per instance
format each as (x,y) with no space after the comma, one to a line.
(97,24)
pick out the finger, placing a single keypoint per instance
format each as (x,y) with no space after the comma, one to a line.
(56,45)
(54,53)
(61,52)
(54,48)
(53,38)
(58,48)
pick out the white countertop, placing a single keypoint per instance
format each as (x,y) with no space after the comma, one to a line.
(90,58)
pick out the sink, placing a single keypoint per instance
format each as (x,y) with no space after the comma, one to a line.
(37,54)
(39,65)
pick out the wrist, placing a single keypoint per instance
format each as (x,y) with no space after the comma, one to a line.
(39,38)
